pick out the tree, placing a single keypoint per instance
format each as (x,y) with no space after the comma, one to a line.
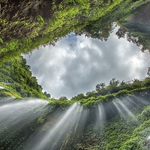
(102,85)
(136,83)
(47,94)
(114,82)
(63,98)
(98,87)
(90,94)
(121,33)
(122,83)
(78,97)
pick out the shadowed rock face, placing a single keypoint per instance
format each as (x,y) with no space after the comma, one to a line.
(19,11)
(24,8)
(141,19)
(3,1)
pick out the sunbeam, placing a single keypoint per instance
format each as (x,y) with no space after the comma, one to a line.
(101,116)
(19,114)
(123,109)
(53,138)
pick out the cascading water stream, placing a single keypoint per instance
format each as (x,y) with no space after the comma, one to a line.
(61,127)
(16,115)
(118,108)
(54,137)
(5,100)
(140,100)
(101,118)
(123,109)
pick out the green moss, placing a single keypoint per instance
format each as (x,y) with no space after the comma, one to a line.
(65,19)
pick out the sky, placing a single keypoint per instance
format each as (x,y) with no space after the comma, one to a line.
(77,63)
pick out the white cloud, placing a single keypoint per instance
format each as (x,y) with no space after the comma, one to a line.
(77,63)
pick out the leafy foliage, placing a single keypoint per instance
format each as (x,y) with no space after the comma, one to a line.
(16,77)
(45,23)
(32,25)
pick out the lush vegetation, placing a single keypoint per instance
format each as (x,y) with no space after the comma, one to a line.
(140,38)
(27,25)
(17,80)
(135,27)
(112,117)
(102,127)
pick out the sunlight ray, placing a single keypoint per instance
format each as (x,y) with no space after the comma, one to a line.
(53,138)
